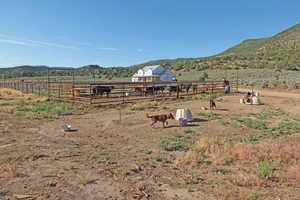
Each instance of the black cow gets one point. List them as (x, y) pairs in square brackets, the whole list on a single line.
[(149, 91), (159, 89), (195, 88), (186, 87), (171, 89), (100, 90), (154, 90)]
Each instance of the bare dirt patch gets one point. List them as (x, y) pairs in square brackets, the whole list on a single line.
[(110, 159)]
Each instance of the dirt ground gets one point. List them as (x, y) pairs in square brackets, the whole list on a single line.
[(105, 158)]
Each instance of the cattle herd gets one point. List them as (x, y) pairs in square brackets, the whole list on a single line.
[(145, 91), (86, 92), (107, 92)]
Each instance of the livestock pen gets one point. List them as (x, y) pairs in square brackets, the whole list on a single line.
[(104, 93)]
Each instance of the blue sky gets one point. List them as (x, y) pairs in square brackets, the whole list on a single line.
[(73, 33)]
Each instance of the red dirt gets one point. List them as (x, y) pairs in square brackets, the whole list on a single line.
[(120, 159)]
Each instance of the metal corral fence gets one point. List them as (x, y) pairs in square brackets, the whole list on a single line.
[(102, 93), (26, 86)]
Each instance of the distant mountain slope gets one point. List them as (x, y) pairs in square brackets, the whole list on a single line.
[(286, 40), (247, 46), (283, 41), (281, 51), (88, 70)]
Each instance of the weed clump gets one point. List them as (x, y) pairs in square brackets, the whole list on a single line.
[(251, 123), (84, 180), (265, 169), (210, 116), (283, 129), (173, 143), (206, 144), (44, 110), (144, 106), (223, 171)]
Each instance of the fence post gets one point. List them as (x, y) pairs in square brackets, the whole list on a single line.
[(123, 93), (48, 84), (59, 91), (73, 86), (91, 94), (177, 90), (153, 92), (237, 81)]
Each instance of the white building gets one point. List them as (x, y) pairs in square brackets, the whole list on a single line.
[(153, 73)]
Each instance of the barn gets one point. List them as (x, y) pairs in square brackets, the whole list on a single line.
[(152, 74)]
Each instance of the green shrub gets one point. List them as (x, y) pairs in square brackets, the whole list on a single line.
[(187, 131), (210, 116), (203, 76), (251, 123), (150, 105), (248, 139), (265, 169), (284, 128), (223, 171), (44, 110), (173, 144), (84, 180)]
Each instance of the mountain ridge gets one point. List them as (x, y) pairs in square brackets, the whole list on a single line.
[(280, 51)]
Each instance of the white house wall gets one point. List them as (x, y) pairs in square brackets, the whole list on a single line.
[(148, 73), (134, 79)]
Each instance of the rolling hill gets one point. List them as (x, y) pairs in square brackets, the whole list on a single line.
[(247, 46), (88, 71), (281, 51)]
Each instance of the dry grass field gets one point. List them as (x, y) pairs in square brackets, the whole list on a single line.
[(237, 152), (261, 78)]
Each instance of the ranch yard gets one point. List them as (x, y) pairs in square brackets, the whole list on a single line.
[(237, 152)]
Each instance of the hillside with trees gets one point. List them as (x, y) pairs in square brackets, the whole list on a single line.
[(279, 52)]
